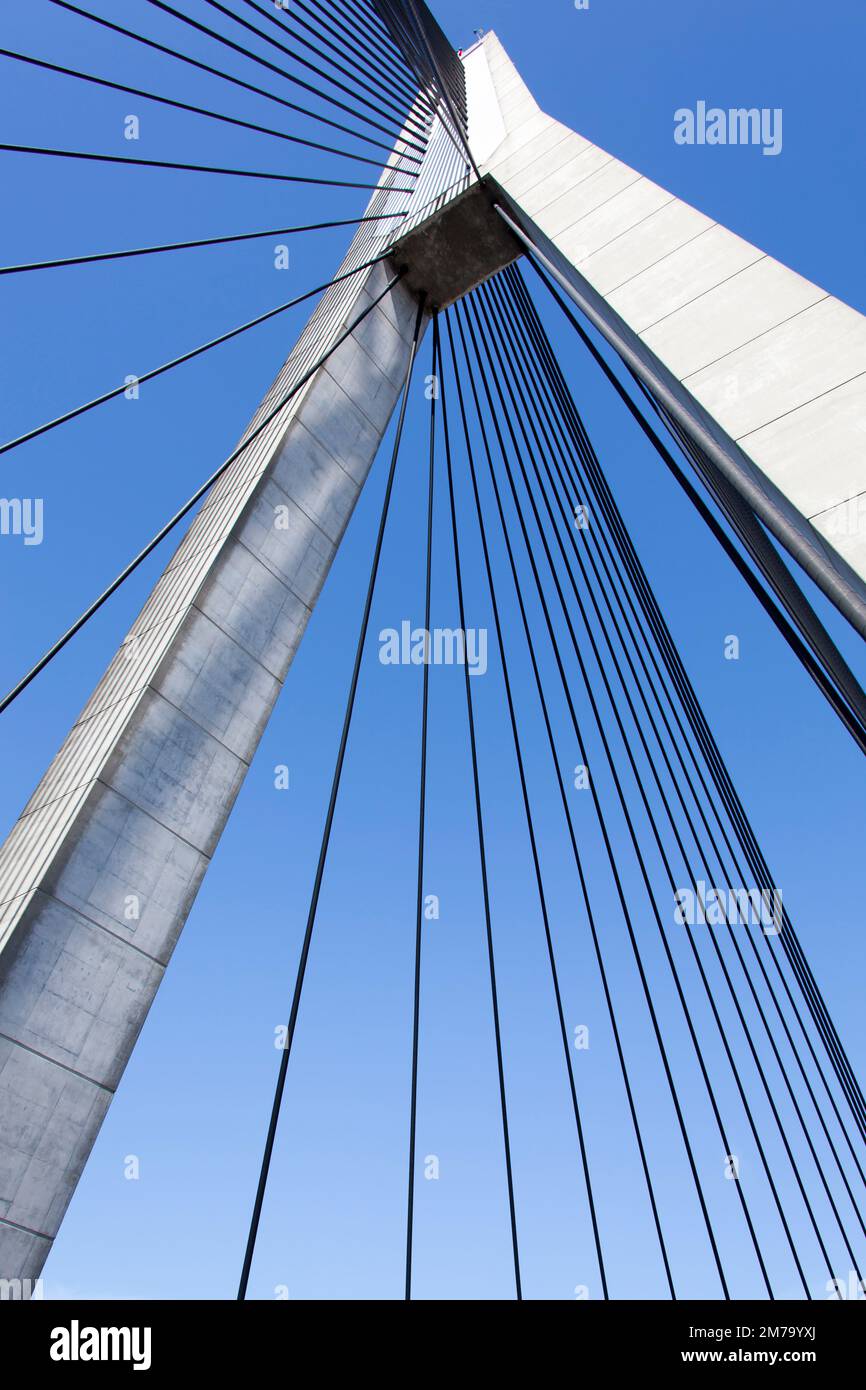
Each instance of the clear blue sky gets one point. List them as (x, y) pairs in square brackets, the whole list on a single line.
[(194, 1100)]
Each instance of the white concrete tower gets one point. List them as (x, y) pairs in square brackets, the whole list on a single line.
[(767, 370)]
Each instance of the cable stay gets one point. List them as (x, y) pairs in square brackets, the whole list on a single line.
[(422, 814), (196, 497), (832, 675), (329, 821), (185, 357), (790, 944), (202, 111), (190, 245), (191, 168), (590, 587), (485, 881), (394, 133), (586, 897), (231, 79), (383, 103), (380, 66), (539, 881), (508, 316), (497, 411), (518, 314)]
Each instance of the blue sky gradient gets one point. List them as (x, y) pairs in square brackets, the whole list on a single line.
[(194, 1100)]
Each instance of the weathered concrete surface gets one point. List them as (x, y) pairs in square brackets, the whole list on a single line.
[(457, 248)]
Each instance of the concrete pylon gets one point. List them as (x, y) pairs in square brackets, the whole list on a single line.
[(768, 370), (99, 873)]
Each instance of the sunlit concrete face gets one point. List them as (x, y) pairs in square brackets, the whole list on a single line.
[(777, 364)]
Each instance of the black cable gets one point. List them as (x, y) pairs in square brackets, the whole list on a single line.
[(367, 32), (187, 106), (431, 52), (790, 942), (766, 557), (422, 813), (428, 50), (421, 52), (679, 679), (352, 47), (491, 338), (272, 67), (519, 313), (509, 312), (702, 744), (458, 121), (359, 54), (482, 853), (384, 104), (189, 245), (556, 766), (189, 168), (354, 39), (226, 77), (829, 689), (185, 357), (329, 821), (803, 543), (770, 1036), (791, 945), (772, 1041), (751, 986), (188, 505), (377, 46), (542, 896), (603, 828)]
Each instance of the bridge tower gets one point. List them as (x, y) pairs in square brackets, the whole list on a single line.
[(763, 371)]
